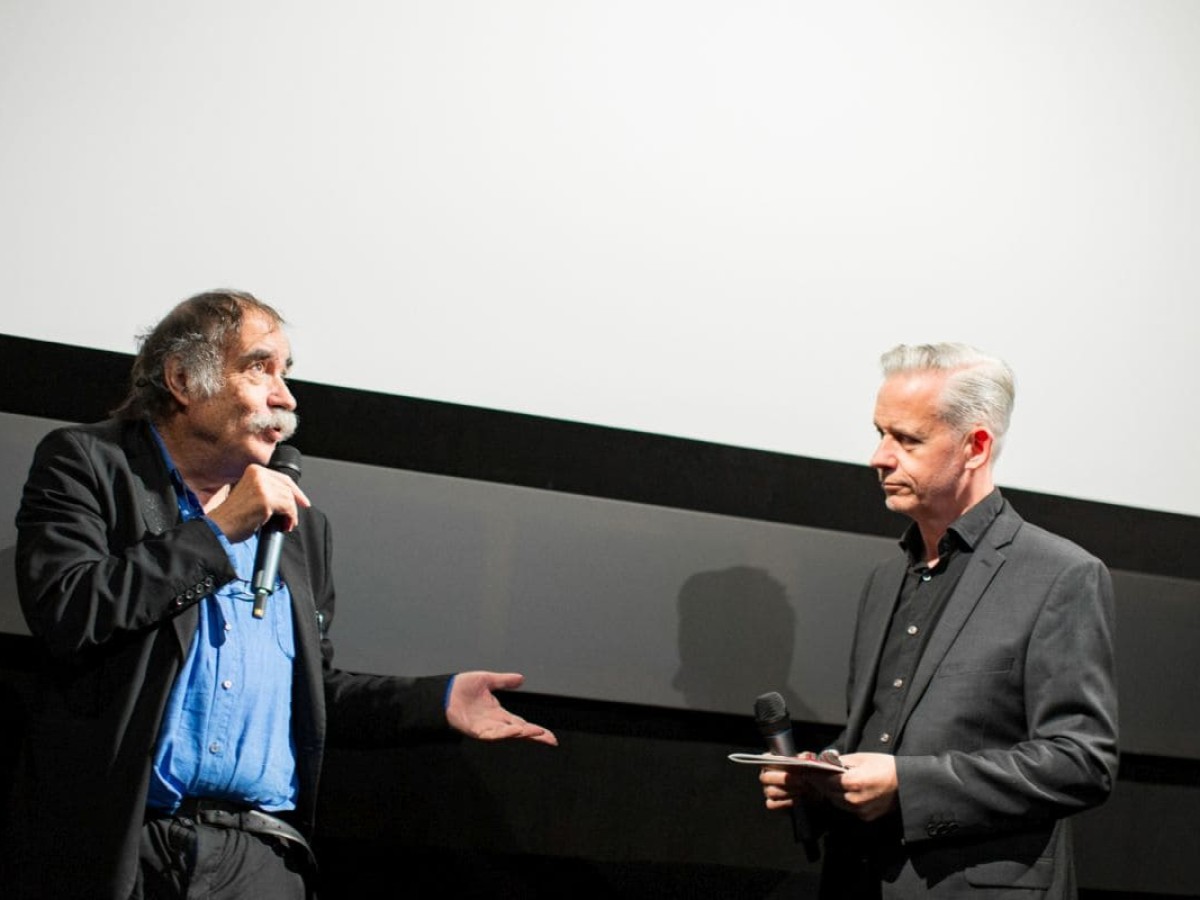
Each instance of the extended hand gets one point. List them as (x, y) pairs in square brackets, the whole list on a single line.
[(475, 711)]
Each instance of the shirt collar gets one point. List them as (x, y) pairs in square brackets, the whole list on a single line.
[(964, 533)]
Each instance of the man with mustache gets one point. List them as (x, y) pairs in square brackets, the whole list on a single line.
[(176, 748), (982, 697)]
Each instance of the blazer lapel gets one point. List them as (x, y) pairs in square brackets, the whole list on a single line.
[(294, 570), (160, 511), (308, 684), (986, 561), (874, 618)]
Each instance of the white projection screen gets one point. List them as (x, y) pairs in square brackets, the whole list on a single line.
[(700, 219)]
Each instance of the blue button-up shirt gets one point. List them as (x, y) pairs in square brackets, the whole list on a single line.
[(226, 733)]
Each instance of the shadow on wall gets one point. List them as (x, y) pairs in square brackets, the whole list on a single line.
[(735, 619)]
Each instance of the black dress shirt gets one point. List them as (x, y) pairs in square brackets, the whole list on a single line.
[(923, 595)]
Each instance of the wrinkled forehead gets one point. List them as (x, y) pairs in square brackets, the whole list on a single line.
[(260, 337)]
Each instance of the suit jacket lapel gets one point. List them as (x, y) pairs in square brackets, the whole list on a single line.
[(294, 570), (308, 683), (160, 510), (986, 561), (874, 618)]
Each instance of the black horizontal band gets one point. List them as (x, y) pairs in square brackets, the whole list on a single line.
[(598, 461)]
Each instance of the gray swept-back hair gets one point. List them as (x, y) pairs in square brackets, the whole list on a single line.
[(980, 388), (197, 332)]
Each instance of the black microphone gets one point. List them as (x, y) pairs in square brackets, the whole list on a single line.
[(285, 459), (775, 725)]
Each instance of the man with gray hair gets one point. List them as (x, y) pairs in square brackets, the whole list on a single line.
[(177, 744), (982, 697)]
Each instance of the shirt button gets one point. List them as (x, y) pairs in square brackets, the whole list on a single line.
[(898, 683), (884, 738), (227, 684), (913, 629), (214, 747), (926, 577), (228, 627)]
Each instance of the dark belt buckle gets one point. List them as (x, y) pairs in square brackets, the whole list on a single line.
[(224, 814)]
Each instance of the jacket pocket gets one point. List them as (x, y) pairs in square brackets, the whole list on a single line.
[(1012, 873), (986, 666)]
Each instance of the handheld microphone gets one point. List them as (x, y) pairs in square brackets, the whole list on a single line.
[(285, 459), (775, 725)]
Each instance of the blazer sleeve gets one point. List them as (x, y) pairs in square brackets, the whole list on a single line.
[(1065, 759), (87, 567), (367, 710)]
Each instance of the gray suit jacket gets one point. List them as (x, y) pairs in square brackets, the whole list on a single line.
[(109, 578), (1010, 723)]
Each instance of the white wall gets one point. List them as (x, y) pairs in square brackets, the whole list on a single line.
[(696, 218)]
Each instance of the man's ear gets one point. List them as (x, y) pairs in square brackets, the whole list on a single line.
[(176, 380), (979, 446)]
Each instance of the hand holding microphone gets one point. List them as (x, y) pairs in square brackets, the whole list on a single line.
[(775, 725), (285, 459)]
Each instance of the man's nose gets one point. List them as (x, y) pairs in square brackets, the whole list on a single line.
[(883, 457), (282, 395)]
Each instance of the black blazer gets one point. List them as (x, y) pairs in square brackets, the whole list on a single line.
[(1010, 722), (109, 578)]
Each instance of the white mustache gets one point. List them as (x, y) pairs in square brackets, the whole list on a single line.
[(282, 420)]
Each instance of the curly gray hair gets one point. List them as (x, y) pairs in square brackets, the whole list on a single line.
[(197, 332)]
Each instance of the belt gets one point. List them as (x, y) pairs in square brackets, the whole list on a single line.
[(226, 814)]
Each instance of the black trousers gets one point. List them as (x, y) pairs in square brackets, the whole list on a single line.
[(184, 860)]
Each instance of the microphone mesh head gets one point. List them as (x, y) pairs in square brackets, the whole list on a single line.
[(770, 708), (286, 459)]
